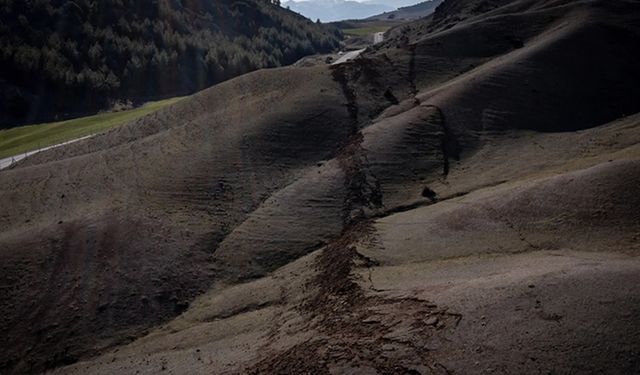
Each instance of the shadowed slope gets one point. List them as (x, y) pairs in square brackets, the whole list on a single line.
[(117, 233)]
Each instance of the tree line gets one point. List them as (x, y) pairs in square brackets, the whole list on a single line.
[(60, 57)]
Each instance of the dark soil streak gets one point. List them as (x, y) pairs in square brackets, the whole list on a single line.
[(412, 70), (449, 144), (339, 75), (356, 327)]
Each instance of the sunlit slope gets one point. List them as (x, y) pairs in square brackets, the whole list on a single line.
[(32, 137)]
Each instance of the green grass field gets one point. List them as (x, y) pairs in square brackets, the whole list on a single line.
[(32, 137), (365, 31), (364, 27)]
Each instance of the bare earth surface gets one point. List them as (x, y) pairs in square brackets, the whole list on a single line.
[(461, 198)]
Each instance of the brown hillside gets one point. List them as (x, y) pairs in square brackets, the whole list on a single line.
[(460, 199)]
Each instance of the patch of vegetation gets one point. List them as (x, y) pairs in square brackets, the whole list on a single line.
[(32, 137), (364, 27), (365, 31), (64, 58)]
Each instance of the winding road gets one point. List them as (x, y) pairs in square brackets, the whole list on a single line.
[(7, 162), (377, 38)]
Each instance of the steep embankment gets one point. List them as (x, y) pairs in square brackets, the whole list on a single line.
[(462, 190)]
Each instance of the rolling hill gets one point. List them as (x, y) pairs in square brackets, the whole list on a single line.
[(461, 198), (410, 12)]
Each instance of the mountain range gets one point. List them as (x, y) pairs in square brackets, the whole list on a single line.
[(336, 10)]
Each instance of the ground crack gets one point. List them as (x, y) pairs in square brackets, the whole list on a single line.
[(358, 329)]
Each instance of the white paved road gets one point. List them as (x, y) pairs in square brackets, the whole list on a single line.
[(6, 162), (377, 38), (348, 56)]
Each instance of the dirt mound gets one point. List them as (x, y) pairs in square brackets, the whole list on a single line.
[(587, 210)]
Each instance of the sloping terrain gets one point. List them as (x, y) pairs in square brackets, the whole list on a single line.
[(462, 198), (410, 12)]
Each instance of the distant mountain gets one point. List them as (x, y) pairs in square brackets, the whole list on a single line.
[(64, 58), (396, 3), (336, 10), (412, 12)]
